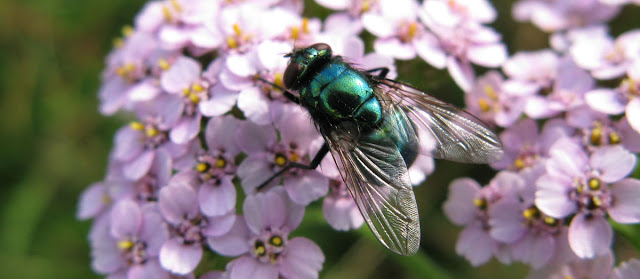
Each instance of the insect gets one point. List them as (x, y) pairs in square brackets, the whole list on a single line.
[(375, 128)]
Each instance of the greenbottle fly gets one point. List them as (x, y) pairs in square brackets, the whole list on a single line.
[(375, 128)]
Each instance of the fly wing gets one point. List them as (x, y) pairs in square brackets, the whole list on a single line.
[(376, 175), (445, 131)]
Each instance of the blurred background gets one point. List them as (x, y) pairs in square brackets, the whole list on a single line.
[(55, 143)]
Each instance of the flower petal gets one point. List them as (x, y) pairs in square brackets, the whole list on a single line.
[(179, 258), (235, 242), (552, 197), (248, 268), (126, 219), (625, 208), (303, 259), (308, 187), (459, 207), (606, 101), (613, 162), (264, 210), (590, 235)]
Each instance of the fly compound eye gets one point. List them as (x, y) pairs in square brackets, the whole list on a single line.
[(321, 47), (291, 74)]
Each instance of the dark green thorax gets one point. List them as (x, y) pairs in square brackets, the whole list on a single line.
[(332, 90), (336, 93)]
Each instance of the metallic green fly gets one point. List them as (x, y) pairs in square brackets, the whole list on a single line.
[(375, 128)]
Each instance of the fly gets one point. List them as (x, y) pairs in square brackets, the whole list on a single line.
[(375, 128)]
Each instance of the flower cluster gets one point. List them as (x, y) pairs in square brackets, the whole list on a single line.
[(569, 141), (203, 81)]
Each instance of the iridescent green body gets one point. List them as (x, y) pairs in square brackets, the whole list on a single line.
[(334, 92)]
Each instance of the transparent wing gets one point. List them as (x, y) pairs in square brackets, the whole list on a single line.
[(376, 175), (445, 131)]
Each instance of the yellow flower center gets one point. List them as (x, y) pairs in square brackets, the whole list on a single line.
[(530, 213), (202, 167), (281, 160), (484, 105), (125, 244), (614, 138), (480, 203), (594, 184), (221, 163), (136, 126), (163, 64), (151, 132)]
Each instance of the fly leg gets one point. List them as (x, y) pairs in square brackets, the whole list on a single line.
[(382, 74), (285, 92), (314, 164)]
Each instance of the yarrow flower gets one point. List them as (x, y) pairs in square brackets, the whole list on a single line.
[(201, 170)]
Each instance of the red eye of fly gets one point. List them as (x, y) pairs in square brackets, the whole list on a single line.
[(291, 74), (321, 46)]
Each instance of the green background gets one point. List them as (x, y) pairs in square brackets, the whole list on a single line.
[(55, 143)]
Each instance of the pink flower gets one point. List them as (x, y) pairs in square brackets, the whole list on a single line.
[(397, 28), (525, 147), (456, 47), (604, 57), (555, 15), (179, 206), (488, 101), (263, 242), (621, 99), (589, 187), (267, 155), (469, 205)]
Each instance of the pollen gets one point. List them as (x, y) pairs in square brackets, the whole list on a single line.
[(273, 258), (295, 32), (276, 241), (118, 42), (484, 105), (597, 201), (167, 14), (614, 138), (277, 79), (125, 244), (480, 203), (491, 92), (232, 42), (294, 157), (594, 184), (305, 25), (136, 125), (221, 163), (519, 164), (366, 6), (163, 64), (237, 30), (596, 134), (106, 199), (413, 29), (151, 132), (259, 249), (280, 160), (194, 98), (186, 92), (530, 213), (127, 31), (202, 167), (550, 221), (197, 87), (176, 5)]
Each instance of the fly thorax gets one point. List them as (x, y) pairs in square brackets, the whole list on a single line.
[(350, 96)]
